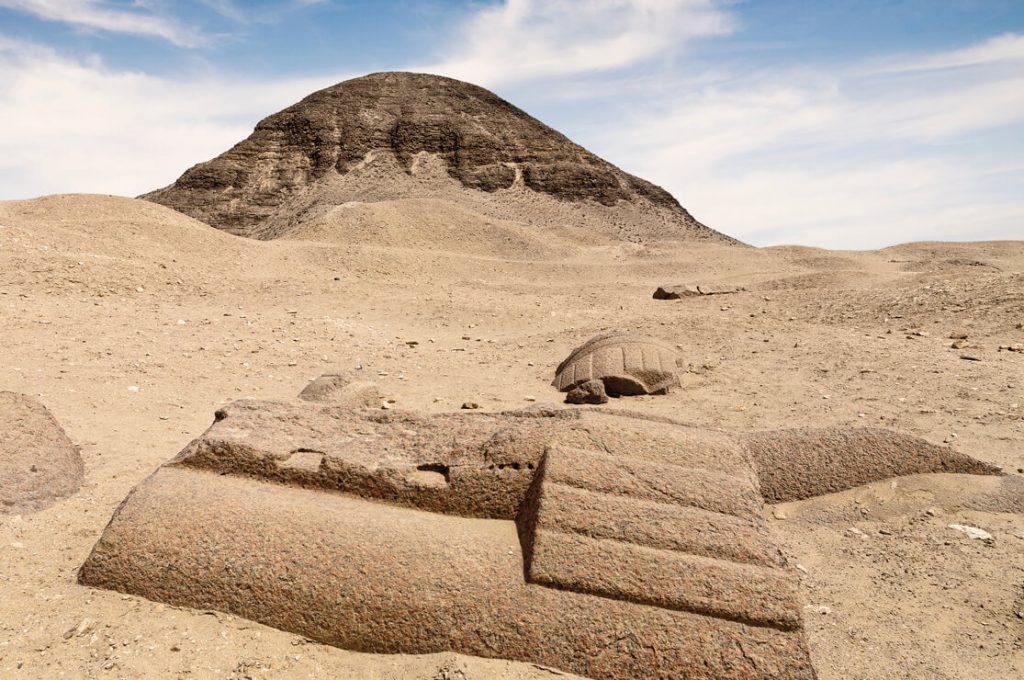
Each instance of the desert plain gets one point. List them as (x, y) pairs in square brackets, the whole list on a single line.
[(133, 323)]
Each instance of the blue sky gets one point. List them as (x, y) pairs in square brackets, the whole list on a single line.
[(844, 124)]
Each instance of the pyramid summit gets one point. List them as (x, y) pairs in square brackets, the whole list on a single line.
[(393, 136)]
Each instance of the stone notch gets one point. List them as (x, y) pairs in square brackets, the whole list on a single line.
[(598, 542), (484, 142), (625, 546)]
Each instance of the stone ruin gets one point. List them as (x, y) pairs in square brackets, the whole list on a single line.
[(685, 290), (601, 543), (617, 364), (38, 463)]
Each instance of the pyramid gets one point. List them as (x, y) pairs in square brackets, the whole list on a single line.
[(393, 136)]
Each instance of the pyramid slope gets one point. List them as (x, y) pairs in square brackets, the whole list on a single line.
[(417, 135)]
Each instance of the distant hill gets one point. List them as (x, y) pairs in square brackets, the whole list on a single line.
[(398, 136)]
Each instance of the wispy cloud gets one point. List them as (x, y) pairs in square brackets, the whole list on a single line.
[(244, 14), (521, 40), (1003, 49), (851, 156), (103, 16)]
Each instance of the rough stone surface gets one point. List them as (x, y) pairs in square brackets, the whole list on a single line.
[(801, 463), (344, 389), (38, 463), (589, 392), (598, 542), (627, 364), (484, 142), (694, 290)]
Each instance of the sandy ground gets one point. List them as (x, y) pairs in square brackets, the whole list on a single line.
[(100, 296)]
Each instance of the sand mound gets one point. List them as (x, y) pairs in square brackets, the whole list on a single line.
[(294, 159), (88, 243), (436, 224), (38, 463)]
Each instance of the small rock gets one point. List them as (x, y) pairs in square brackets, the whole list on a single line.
[(960, 343), (590, 392), (83, 627), (133, 388), (958, 335), (972, 532), (470, 405)]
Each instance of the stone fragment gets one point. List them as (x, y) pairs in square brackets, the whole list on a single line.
[(627, 364), (679, 291), (602, 543), (38, 463), (972, 532), (343, 388), (589, 392)]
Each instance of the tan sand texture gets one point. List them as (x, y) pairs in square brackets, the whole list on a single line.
[(100, 294)]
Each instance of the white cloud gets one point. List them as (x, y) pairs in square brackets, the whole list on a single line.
[(73, 126), (99, 15), (521, 40)]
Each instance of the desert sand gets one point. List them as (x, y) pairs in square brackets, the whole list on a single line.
[(133, 323)]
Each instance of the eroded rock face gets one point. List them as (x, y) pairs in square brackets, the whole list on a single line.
[(485, 143), (38, 463), (626, 363)]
